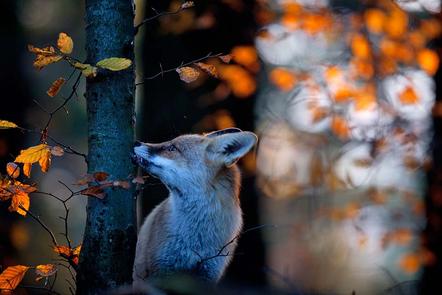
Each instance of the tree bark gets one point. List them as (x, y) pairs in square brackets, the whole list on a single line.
[(109, 240)]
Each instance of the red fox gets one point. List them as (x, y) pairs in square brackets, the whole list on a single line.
[(202, 214)]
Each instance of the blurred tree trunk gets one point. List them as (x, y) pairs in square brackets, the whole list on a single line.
[(109, 240)]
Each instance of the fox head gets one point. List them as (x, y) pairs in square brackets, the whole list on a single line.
[(193, 160)]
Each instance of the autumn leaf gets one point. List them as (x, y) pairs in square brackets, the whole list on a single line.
[(209, 69), (45, 270), (55, 87), (100, 176), (283, 79), (20, 203), (360, 46), (238, 79), (96, 190), (62, 250), (340, 127), (410, 263), (72, 254), (428, 60), (187, 4), (226, 58), (57, 151), (13, 170), (114, 63), (121, 183), (408, 96), (6, 124), (374, 20), (44, 56), (12, 276), (87, 70), (188, 74), (65, 43), (27, 169), (40, 153), (245, 55)]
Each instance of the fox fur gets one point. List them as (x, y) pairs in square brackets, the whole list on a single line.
[(202, 215)]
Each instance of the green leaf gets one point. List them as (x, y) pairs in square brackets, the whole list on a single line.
[(86, 69), (114, 63)]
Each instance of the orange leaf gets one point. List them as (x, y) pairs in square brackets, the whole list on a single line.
[(20, 203), (12, 276), (396, 24), (245, 55), (238, 79), (428, 60), (209, 69), (283, 79), (44, 56), (40, 153), (62, 250), (13, 170), (55, 87), (65, 43), (45, 270), (188, 74), (339, 127), (408, 96), (100, 176), (410, 263), (360, 46), (27, 169), (402, 236), (374, 20)]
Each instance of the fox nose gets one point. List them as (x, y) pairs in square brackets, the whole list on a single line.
[(137, 143)]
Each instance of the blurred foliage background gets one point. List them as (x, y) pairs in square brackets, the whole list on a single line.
[(343, 94)]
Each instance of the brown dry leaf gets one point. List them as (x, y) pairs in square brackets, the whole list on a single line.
[(209, 69), (87, 70), (96, 190), (411, 163), (121, 183), (283, 79), (45, 270), (12, 276), (428, 60), (187, 4), (65, 43), (55, 87), (6, 124), (44, 56), (13, 170), (138, 180), (226, 58), (100, 176), (188, 74), (57, 151)]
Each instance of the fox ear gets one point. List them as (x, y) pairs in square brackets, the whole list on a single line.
[(229, 148), (223, 131)]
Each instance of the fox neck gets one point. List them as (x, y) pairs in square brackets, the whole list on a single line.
[(212, 208)]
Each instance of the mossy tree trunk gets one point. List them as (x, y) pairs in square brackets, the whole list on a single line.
[(109, 240)]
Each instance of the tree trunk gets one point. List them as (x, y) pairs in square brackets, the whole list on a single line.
[(109, 240)]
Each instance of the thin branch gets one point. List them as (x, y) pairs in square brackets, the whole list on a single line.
[(46, 228), (162, 72), (160, 14)]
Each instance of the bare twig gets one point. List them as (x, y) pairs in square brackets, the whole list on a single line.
[(160, 14), (46, 228), (209, 55)]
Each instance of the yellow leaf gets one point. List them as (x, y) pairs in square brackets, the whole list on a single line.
[(428, 60), (209, 69), (40, 153), (6, 124), (27, 169), (65, 43), (114, 63), (12, 276), (86, 69), (55, 87), (13, 170), (45, 270), (44, 56), (20, 199), (76, 251), (188, 74)]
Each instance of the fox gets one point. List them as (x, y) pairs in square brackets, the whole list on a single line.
[(195, 229)]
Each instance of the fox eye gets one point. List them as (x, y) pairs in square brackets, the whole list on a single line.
[(171, 148)]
